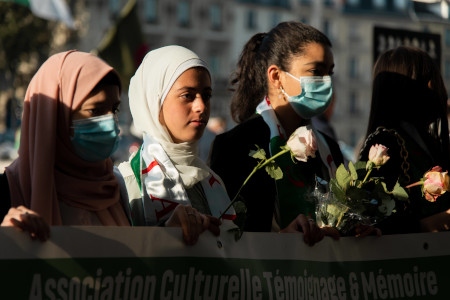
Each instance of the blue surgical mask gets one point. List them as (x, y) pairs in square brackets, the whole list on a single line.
[(315, 96), (95, 139)]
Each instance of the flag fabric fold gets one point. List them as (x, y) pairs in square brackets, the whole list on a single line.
[(123, 46), (55, 10)]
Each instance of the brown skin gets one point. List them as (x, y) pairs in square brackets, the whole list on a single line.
[(192, 223), (99, 102), (29, 221), (185, 113), (316, 60)]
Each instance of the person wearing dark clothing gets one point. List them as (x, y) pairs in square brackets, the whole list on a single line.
[(408, 116)]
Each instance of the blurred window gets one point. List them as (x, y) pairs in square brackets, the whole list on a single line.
[(353, 104), (401, 4), (151, 11), (327, 28), (353, 68), (215, 13), (114, 7), (183, 13), (447, 69), (447, 37), (251, 20), (379, 4), (214, 64), (276, 18)]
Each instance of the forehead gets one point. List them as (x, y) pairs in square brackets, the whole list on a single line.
[(192, 76), (102, 95), (314, 54)]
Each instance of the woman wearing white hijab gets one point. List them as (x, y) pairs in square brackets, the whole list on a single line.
[(167, 183)]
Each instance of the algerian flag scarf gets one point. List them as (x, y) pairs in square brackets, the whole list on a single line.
[(294, 189), (162, 187)]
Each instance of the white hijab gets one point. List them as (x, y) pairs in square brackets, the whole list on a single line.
[(148, 89)]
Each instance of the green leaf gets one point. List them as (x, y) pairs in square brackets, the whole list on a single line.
[(399, 193), (387, 207), (356, 195), (352, 169), (274, 171), (343, 177), (336, 212), (258, 154), (337, 190), (360, 165)]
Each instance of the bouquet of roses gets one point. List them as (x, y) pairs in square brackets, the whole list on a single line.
[(301, 145), (356, 197)]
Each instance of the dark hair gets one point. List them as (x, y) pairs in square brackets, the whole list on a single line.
[(277, 47), (414, 63), (408, 86), (112, 78)]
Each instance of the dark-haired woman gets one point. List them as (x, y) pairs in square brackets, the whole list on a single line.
[(409, 116), (283, 79)]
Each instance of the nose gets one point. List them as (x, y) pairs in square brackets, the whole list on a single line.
[(199, 104)]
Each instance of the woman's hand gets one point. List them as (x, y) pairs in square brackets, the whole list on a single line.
[(362, 230), (29, 221), (437, 222), (192, 223), (311, 232)]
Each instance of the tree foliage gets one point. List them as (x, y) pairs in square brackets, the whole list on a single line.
[(21, 35)]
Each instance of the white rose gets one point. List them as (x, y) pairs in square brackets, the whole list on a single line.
[(302, 144)]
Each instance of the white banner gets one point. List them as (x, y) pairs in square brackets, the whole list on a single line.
[(153, 263)]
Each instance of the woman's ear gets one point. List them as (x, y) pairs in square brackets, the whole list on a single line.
[(274, 74), (161, 116)]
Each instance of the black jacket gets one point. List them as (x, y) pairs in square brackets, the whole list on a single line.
[(5, 196), (231, 161)]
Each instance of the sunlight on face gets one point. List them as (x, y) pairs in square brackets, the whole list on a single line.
[(317, 60), (185, 111)]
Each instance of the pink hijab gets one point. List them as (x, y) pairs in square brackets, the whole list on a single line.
[(48, 170)]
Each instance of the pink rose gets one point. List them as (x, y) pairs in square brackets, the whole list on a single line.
[(378, 155), (302, 144), (435, 183)]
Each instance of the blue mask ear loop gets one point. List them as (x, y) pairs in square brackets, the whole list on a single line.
[(298, 79)]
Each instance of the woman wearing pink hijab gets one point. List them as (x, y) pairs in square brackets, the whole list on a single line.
[(63, 175)]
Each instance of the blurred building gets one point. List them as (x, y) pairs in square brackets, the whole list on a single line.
[(218, 29)]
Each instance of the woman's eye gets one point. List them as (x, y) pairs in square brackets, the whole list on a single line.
[(189, 96), (93, 112), (207, 96)]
